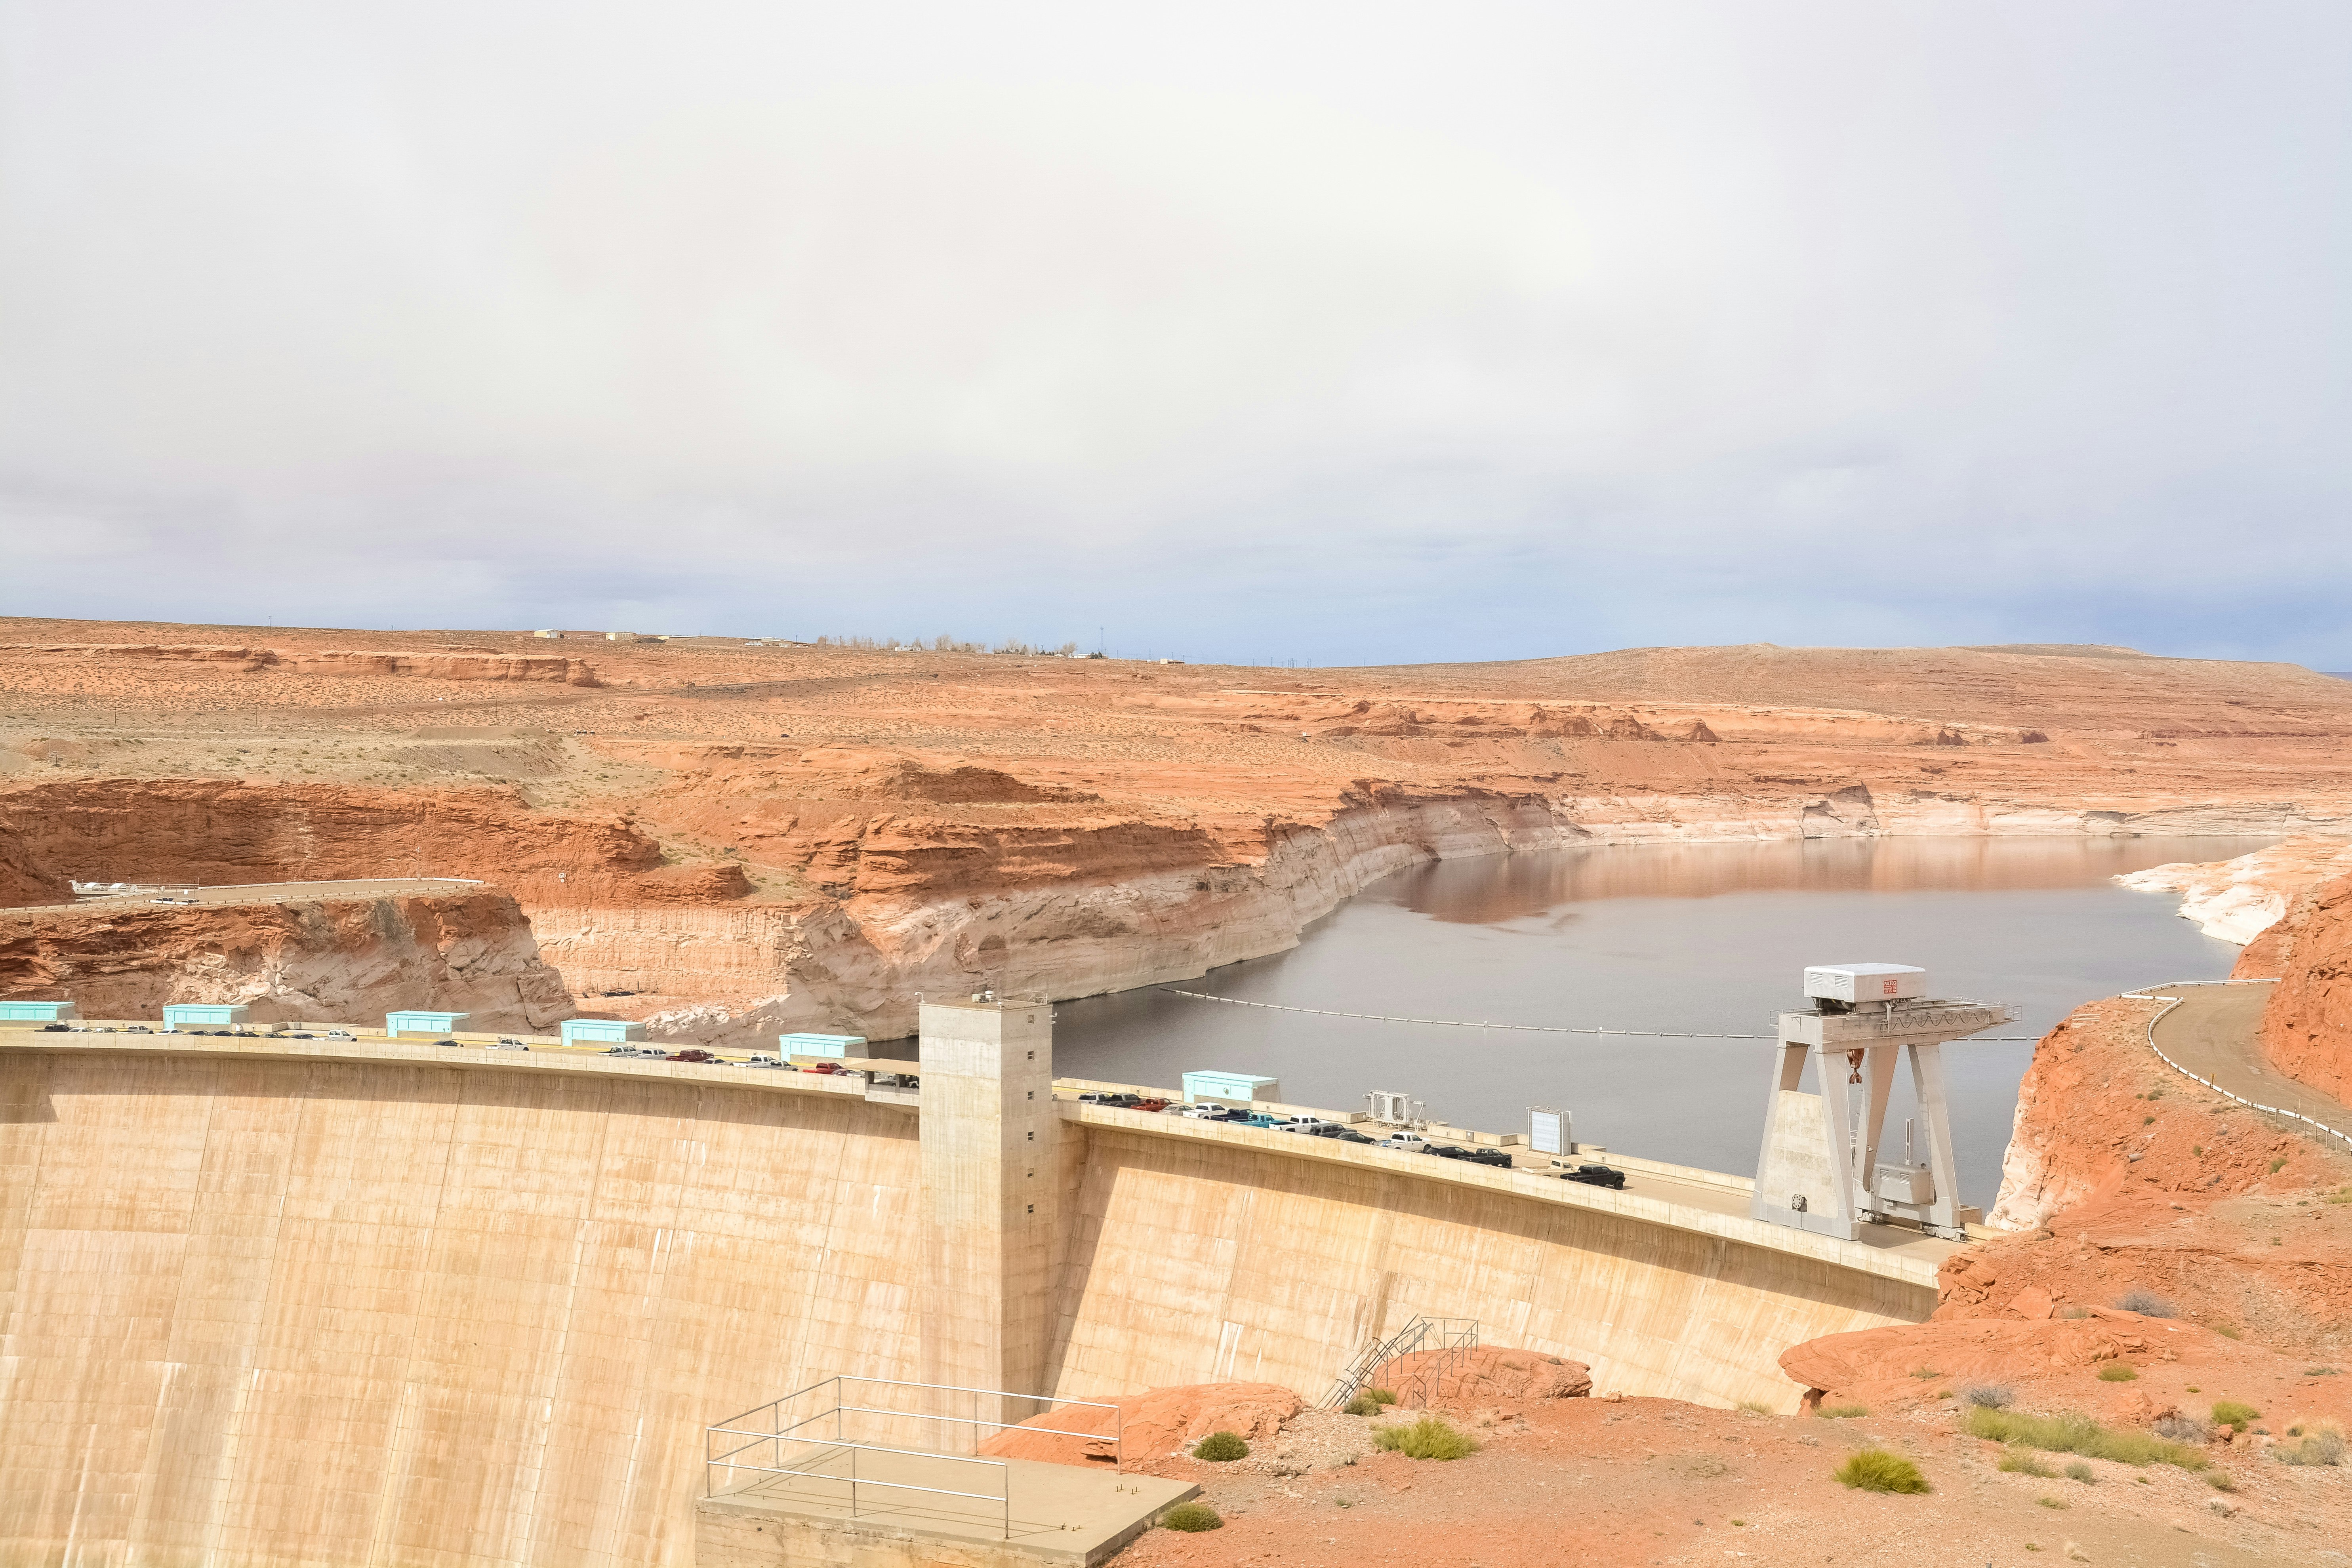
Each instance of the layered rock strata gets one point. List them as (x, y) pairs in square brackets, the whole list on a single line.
[(326, 959), (730, 840)]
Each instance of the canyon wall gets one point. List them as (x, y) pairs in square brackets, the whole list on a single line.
[(2308, 1026), (725, 840), (469, 952)]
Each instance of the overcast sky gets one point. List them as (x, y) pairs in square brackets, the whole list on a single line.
[(1346, 332)]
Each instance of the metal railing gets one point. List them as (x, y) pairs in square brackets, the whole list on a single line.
[(770, 1426), (2169, 1004), (1456, 1337)]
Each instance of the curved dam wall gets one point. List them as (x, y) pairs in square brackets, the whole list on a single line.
[(1195, 1261), (273, 1302), (275, 1312)]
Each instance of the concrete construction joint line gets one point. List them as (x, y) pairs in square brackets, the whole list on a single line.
[(2170, 1003), (1525, 1028)]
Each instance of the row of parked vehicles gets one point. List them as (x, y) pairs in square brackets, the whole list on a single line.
[(1405, 1141)]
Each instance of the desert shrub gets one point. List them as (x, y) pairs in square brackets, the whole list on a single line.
[(1386, 1396), (1989, 1396), (1364, 1404), (2229, 1331), (1876, 1470), (1192, 1516), (1221, 1447), (2220, 1482), (1925, 1371), (2022, 1460), (1427, 1438), (2051, 1501), (2321, 1448), (2078, 1471), (1844, 1412), (2320, 1371), (2116, 1371), (2184, 1429), (2146, 1302), (2077, 1434), (2232, 1413), (1755, 1407)]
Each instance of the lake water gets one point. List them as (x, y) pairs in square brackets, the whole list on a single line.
[(1706, 938)]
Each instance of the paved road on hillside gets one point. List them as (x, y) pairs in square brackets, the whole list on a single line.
[(2214, 1033)]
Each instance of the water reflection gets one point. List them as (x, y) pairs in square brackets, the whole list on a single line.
[(1496, 889), (1708, 938)]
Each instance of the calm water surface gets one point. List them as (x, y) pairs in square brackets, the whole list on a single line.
[(1708, 938)]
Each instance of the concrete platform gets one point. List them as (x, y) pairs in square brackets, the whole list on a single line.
[(1059, 1514)]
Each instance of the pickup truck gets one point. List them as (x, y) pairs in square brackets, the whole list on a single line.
[(1595, 1176), (1494, 1157)]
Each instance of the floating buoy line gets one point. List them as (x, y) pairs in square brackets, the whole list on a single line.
[(1521, 1028)]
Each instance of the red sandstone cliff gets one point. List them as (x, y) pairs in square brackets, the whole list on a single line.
[(2308, 1026), (729, 839), (326, 960)]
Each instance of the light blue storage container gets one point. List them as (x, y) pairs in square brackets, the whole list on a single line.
[(1230, 1088), (834, 1046), (601, 1031), (204, 1015), (419, 1023), (36, 1012)]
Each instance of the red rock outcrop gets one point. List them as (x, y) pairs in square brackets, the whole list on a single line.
[(214, 832), (322, 960), (439, 666), (1485, 1377), (1153, 1426), (2307, 1025), (2047, 1365)]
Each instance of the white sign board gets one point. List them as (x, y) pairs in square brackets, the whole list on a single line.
[(1546, 1130)]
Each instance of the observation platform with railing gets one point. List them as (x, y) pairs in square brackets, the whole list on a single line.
[(887, 1462)]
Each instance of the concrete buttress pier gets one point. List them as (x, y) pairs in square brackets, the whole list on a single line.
[(991, 1195)]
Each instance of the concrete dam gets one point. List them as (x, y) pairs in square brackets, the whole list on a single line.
[(277, 1301)]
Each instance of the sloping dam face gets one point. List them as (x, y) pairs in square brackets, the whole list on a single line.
[(274, 1302)]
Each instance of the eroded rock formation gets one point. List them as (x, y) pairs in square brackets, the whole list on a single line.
[(319, 960), (2307, 1026), (730, 840)]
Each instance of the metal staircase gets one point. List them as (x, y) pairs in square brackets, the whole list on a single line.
[(1453, 1338)]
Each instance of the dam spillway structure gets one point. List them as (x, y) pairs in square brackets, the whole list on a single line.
[(319, 1292), (1821, 1168)]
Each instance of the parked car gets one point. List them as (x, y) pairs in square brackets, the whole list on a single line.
[(812, 1067), (1595, 1176), (1412, 1142), (57, 1028), (693, 1054), (1495, 1157), (1336, 1132), (1304, 1124)]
